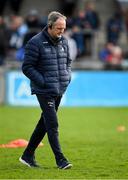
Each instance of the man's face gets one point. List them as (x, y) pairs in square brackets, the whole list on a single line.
[(58, 28)]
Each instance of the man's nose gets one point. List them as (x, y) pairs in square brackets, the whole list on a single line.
[(61, 31)]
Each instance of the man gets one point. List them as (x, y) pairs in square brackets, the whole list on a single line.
[(48, 66)]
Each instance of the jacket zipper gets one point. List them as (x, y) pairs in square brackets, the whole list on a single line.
[(56, 47)]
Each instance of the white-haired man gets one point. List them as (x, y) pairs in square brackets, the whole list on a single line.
[(48, 66)]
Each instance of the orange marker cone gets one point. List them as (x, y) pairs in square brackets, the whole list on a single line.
[(16, 144), (121, 128)]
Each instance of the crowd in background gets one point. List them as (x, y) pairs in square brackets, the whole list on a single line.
[(82, 25)]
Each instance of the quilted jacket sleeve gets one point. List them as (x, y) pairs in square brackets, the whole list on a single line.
[(30, 61)]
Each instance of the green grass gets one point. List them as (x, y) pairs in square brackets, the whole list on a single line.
[(89, 139)]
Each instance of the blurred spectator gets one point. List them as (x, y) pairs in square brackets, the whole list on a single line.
[(33, 23), (112, 57), (14, 5), (92, 24), (34, 26), (91, 16), (79, 20), (78, 36), (3, 41), (72, 45), (81, 32), (17, 31), (106, 52), (84, 26), (114, 28)]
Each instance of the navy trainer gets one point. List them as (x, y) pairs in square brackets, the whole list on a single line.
[(29, 161), (63, 164)]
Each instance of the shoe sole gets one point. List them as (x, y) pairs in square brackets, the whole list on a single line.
[(69, 166), (24, 162)]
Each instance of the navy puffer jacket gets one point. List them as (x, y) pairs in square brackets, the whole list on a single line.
[(47, 64)]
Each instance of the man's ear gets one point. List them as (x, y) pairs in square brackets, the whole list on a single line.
[(50, 26)]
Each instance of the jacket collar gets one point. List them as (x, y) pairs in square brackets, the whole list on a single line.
[(47, 35)]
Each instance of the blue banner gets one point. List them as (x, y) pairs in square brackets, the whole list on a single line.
[(18, 90), (104, 88), (86, 89)]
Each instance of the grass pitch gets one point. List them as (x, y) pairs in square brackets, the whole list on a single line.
[(88, 136)]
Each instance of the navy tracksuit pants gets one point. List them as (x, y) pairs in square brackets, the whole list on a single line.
[(48, 123)]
